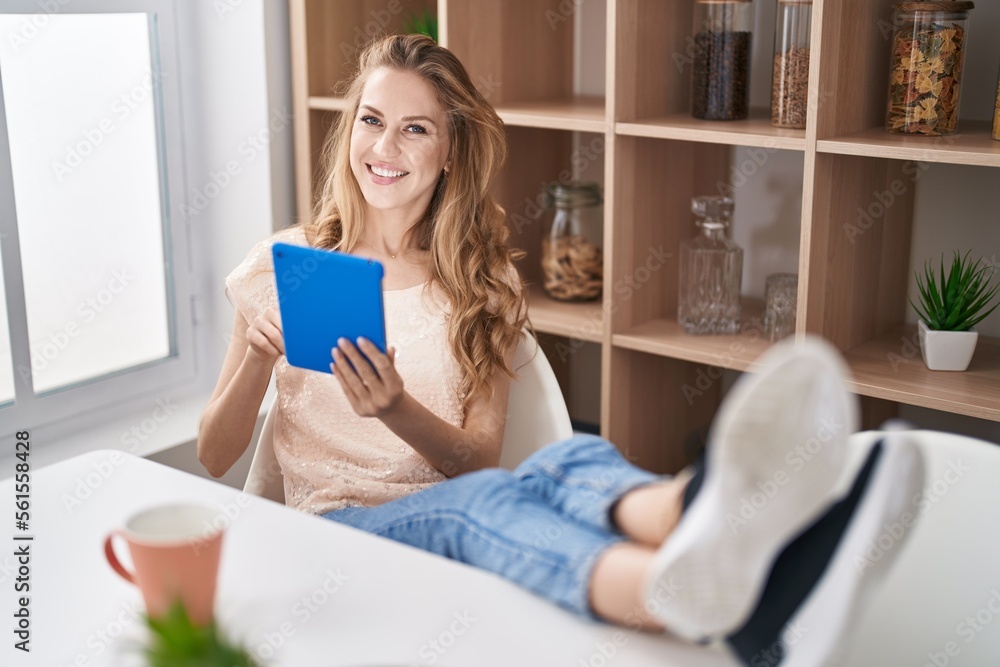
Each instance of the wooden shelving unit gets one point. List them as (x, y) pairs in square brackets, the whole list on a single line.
[(657, 383), (754, 131), (973, 146)]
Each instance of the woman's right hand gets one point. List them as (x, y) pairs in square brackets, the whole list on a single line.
[(266, 342)]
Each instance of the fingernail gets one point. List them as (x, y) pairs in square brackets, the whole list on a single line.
[(342, 341), (362, 340)]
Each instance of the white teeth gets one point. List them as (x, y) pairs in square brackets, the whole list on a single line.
[(387, 173)]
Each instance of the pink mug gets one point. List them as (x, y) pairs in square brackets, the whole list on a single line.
[(175, 551)]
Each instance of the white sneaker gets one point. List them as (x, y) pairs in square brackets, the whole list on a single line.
[(880, 525), (776, 453)]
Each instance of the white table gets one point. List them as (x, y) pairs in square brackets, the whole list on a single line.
[(393, 605), (389, 601)]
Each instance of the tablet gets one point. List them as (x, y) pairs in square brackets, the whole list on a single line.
[(324, 295)]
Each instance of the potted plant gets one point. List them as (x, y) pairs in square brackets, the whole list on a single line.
[(950, 305), (175, 640), (424, 23)]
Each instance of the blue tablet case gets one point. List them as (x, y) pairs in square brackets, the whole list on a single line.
[(323, 295)]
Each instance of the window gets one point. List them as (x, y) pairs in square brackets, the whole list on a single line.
[(94, 250)]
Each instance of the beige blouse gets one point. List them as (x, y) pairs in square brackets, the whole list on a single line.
[(330, 457)]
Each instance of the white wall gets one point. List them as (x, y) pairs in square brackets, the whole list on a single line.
[(238, 108), (238, 122)]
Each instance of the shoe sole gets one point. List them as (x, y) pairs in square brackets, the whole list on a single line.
[(717, 560), (828, 617)]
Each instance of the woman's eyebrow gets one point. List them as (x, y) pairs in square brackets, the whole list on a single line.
[(405, 119), (408, 119)]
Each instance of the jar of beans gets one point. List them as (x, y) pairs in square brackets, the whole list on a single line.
[(572, 255), (790, 85), (925, 75), (720, 78)]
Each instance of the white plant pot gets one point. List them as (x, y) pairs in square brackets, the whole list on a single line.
[(947, 350)]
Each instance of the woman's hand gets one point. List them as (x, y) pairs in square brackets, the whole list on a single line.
[(265, 338), (372, 386)]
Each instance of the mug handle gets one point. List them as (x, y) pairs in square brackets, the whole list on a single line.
[(109, 552)]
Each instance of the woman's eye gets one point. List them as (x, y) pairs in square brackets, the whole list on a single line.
[(369, 120), (417, 129)]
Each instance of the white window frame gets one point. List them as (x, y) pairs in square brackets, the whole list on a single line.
[(30, 411)]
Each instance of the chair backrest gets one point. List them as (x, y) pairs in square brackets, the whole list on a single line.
[(265, 478), (536, 416), (536, 411)]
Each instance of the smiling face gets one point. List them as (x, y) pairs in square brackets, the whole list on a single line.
[(399, 143)]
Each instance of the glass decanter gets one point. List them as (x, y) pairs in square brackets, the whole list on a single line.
[(711, 272)]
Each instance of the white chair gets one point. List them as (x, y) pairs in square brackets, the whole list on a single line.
[(536, 416)]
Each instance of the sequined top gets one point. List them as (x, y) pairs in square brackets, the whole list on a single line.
[(330, 457)]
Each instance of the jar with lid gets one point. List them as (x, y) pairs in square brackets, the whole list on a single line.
[(711, 272), (996, 113), (790, 82), (572, 255), (925, 76), (720, 77)]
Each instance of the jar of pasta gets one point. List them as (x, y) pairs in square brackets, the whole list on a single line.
[(925, 76), (572, 255)]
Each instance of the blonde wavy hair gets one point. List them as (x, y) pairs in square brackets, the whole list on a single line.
[(464, 226)]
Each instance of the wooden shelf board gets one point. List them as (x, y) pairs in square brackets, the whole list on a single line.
[(665, 337), (972, 145), (754, 131), (890, 367), (583, 321), (581, 113), (327, 103)]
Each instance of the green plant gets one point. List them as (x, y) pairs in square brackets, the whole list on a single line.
[(424, 23), (956, 301), (175, 640)]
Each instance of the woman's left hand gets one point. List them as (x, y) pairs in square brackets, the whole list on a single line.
[(372, 386)]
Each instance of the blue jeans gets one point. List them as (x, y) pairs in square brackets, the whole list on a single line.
[(542, 526)]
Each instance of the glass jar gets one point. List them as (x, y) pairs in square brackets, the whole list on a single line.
[(928, 56), (711, 272), (790, 82), (996, 113), (720, 80), (572, 255)]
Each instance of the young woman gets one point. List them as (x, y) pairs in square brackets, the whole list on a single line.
[(410, 170)]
